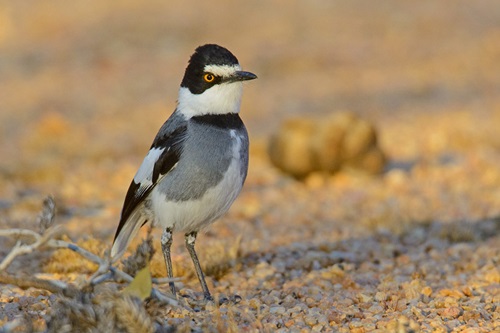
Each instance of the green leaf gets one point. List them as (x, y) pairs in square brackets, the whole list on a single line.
[(141, 285)]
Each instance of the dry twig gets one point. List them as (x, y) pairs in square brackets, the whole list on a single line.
[(20, 248), (45, 238)]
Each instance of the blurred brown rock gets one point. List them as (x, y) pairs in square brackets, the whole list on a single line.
[(290, 149), (342, 140)]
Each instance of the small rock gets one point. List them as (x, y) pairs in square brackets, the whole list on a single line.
[(427, 291), (263, 271), (380, 296), (375, 309), (310, 320), (277, 309), (290, 141), (254, 303), (364, 298), (357, 327), (317, 328), (342, 140), (451, 293), (357, 330), (467, 291), (452, 312), (492, 275)]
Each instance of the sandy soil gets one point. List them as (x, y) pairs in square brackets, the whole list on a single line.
[(85, 85)]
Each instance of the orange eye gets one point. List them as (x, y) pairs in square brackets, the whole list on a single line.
[(208, 77)]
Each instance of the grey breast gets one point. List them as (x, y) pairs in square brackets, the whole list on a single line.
[(205, 157)]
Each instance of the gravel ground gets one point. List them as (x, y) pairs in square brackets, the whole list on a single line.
[(413, 249)]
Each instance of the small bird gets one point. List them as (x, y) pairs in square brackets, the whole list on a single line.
[(198, 161)]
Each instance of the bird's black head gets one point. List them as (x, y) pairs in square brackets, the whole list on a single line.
[(210, 65)]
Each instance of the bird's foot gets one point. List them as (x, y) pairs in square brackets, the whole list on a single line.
[(172, 290), (234, 299), (208, 298)]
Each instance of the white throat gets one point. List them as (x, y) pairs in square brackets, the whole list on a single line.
[(220, 99)]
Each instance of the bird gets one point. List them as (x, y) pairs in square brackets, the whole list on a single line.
[(197, 163)]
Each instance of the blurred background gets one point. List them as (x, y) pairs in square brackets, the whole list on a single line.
[(85, 85), (411, 85)]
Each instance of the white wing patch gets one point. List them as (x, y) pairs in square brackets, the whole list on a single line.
[(144, 175)]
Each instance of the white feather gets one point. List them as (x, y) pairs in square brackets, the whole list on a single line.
[(144, 175), (222, 70), (127, 233), (220, 99)]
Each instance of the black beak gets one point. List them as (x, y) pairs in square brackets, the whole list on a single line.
[(242, 76)]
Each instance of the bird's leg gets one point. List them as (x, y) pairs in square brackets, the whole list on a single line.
[(190, 240), (166, 243)]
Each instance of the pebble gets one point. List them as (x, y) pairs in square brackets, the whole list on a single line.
[(319, 271), (467, 291), (427, 291), (452, 312), (364, 298), (454, 293), (310, 320), (380, 296), (277, 309)]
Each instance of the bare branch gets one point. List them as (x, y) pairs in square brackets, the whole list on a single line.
[(19, 232), (54, 286), (60, 244), (45, 238), (20, 249)]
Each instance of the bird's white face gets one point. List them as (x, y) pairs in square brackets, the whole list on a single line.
[(221, 98)]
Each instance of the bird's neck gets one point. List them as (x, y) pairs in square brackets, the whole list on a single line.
[(220, 99)]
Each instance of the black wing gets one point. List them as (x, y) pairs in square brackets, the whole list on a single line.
[(162, 157)]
